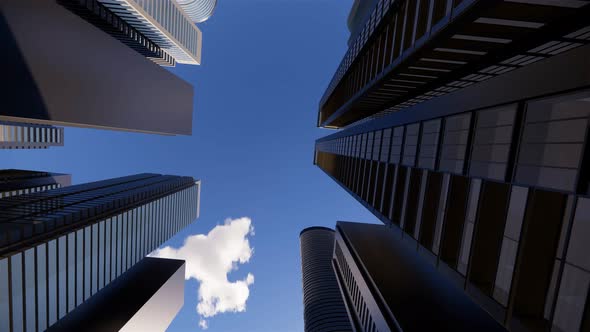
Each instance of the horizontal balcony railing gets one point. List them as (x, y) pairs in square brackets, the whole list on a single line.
[(422, 49)]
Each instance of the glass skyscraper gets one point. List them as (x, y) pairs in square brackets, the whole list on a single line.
[(465, 126), (14, 182), (60, 247), (323, 305)]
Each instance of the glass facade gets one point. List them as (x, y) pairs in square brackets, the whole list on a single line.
[(51, 275), (165, 23), (497, 197), (15, 135)]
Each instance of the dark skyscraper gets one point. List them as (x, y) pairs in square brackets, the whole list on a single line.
[(323, 305), (73, 73), (14, 182), (391, 290), (465, 125), (59, 247)]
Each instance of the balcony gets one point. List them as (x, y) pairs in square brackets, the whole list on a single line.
[(412, 51)]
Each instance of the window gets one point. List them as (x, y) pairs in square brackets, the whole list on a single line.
[(30, 286), (62, 276), (41, 286), (4, 300), (17, 291), (52, 281)]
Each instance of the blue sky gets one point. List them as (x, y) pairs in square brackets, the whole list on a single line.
[(265, 66)]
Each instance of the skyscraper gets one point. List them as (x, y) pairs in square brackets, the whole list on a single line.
[(145, 298), (465, 125), (14, 182), (14, 135), (198, 10), (59, 247), (102, 53), (148, 25), (390, 290), (323, 305)]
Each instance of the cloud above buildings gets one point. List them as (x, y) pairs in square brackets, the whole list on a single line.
[(209, 259)]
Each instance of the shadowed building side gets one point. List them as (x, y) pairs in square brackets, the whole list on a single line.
[(323, 306)]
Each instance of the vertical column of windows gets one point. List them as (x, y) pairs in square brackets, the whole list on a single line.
[(101, 255), (41, 262), (52, 282), (79, 267), (94, 261), (108, 247), (571, 312), (62, 285), (510, 242), (16, 291), (30, 289), (469, 225), (71, 279), (4, 291), (87, 261), (124, 243)]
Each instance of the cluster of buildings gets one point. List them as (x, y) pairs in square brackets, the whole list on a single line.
[(72, 257), (463, 126)]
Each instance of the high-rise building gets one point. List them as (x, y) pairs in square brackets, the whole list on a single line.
[(102, 53), (14, 182), (145, 298), (198, 10), (465, 125), (14, 135), (161, 30), (323, 305), (388, 289), (60, 247)]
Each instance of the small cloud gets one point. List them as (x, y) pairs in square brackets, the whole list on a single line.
[(209, 258)]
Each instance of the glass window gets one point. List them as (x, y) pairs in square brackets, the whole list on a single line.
[(52, 280), (107, 252), (469, 225), (62, 275), (30, 314), (4, 301), (118, 254), (94, 272), (41, 286), (71, 271), (101, 248), (124, 251), (16, 267), (577, 252), (571, 299), (87, 261), (79, 267)]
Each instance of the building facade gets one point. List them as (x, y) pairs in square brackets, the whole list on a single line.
[(163, 31), (198, 10), (465, 126), (145, 298), (60, 247), (323, 305), (14, 135), (14, 182), (99, 60), (391, 290)]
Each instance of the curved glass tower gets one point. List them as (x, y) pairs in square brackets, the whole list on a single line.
[(323, 306), (198, 10)]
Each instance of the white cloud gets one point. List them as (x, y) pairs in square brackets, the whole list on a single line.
[(209, 258)]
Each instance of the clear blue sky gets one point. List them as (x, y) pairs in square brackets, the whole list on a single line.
[(265, 66)]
